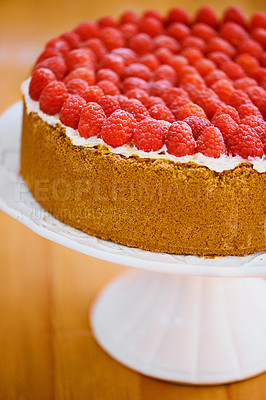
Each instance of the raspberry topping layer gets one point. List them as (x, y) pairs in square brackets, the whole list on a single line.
[(173, 84)]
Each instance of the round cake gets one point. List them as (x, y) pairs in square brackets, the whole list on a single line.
[(150, 131)]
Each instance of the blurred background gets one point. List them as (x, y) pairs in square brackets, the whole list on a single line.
[(46, 346)]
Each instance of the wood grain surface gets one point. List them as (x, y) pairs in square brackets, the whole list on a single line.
[(47, 350)]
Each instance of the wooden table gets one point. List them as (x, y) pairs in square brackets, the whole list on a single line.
[(46, 345)]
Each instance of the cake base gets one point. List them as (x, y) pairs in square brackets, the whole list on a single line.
[(196, 330)]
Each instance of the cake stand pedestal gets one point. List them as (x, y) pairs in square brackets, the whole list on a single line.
[(179, 318)]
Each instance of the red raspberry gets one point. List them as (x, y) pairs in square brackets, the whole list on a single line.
[(207, 15), (178, 15), (178, 62), (192, 54), (161, 111), (218, 44), (259, 73), (96, 46), (172, 94), (138, 94), (108, 87), (39, 79), (238, 97), (149, 135), (79, 58), (204, 31), (93, 94), (229, 110), (129, 56), (251, 47), (165, 72), (192, 110), (87, 30), (72, 39), (92, 119), (84, 73), (129, 31), (152, 13), (138, 70), (151, 26), (245, 142), (223, 88), (129, 17), (113, 62), (60, 44), (137, 109), (257, 123), (194, 41), (165, 126), (214, 76), (112, 38), (259, 35), (109, 104), (53, 97), (141, 43), (159, 87), (119, 128), (258, 20), (150, 61), (235, 14), (178, 30), (48, 53), (179, 140), (109, 75), (151, 101), (166, 42), (197, 125), (163, 55), (122, 100), (208, 100), (243, 83), (76, 86), (248, 109), (133, 82), (233, 33), (107, 22), (176, 105), (256, 94), (218, 57), (226, 125), (211, 143), (56, 64), (71, 110), (247, 62), (204, 66)]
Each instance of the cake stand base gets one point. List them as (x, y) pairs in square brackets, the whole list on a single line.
[(191, 329)]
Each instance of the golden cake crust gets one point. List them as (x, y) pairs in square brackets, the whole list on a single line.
[(151, 204)]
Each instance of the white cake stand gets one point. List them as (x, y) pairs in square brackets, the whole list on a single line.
[(177, 318)]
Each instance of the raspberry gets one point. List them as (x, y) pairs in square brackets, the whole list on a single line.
[(258, 20), (236, 15), (56, 64), (87, 30), (194, 41), (179, 140), (151, 101), (53, 97), (178, 30), (129, 17), (151, 26), (112, 38), (226, 125), (92, 119), (207, 100), (256, 94), (165, 72), (191, 110), (129, 56), (248, 109), (109, 104), (72, 39), (223, 88), (133, 82), (161, 111), (109, 75), (167, 42), (152, 13), (243, 83), (172, 94), (233, 33), (165, 126), (211, 143), (259, 73), (84, 73), (137, 109), (113, 62), (259, 34), (233, 70), (197, 125), (93, 94), (218, 44), (251, 47), (71, 110), (214, 76), (229, 110), (96, 46), (129, 31), (48, 53), (178, 15), (39, 79), (163, 55), (245, 142), (76, 86), (192, 54), (204, 31), (108, 87), (159, 87), (107, 22), (218, 57), (247, 62), (138, 70), (204, 66), (238, 97), (119, 128), (176, 105), (122, 100), (141, 43), (138, 94), (60, 44), (150, 61), (79, 58), (178, 62), (149, 135), (255, 122), (207, 15)]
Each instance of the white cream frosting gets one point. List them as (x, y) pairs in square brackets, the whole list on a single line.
[(216, 164)]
